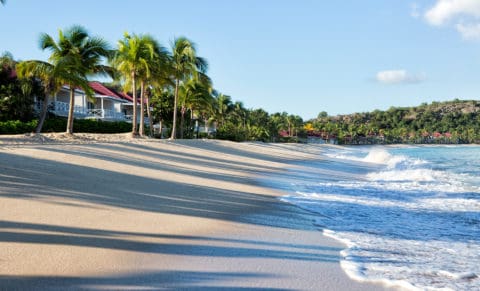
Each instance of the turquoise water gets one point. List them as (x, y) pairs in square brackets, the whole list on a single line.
[(410, 216)]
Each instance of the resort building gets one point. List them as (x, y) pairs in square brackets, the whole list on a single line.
[(107, 104)]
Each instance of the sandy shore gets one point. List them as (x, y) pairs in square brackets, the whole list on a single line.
[(107, 212)]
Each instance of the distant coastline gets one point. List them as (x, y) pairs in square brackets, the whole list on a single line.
[(452, 122)]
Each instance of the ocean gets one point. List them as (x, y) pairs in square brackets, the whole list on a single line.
[(409, 215)]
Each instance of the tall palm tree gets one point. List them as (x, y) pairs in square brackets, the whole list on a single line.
[(78, 55), (160, 80), (51, 77), (185, 64), (154, 71), (133, 59)]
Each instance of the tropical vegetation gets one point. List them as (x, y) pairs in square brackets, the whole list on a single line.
[(77, 55), (172, 88), (439, 122)]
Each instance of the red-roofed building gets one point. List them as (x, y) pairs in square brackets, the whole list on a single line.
[(108, 104), (125, 96), (100, 89)]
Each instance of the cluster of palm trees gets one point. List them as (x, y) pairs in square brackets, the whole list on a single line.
[(172, 82), (139, 62)]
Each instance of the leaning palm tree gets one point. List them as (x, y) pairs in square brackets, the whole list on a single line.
[(51, 77), (79, 56), (185, 64)]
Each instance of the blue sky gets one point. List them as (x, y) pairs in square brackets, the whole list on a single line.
[(299, 56)]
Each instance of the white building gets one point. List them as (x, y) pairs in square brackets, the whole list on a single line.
[(107, 104)]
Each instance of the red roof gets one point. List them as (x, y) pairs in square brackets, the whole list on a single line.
[(102, 90), (125, 96)]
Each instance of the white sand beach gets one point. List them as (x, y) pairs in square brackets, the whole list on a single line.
[(107, 212)]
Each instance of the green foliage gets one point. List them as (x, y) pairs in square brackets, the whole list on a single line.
[(17, 126), (231, 132), (15, 94), (58, 125), (76, 55), (440, 122)]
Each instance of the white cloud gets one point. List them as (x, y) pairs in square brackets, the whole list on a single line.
[(445, 10), (398, 77), (464, 15)]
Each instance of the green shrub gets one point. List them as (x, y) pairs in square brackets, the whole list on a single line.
[(60, 124), (17, 126)]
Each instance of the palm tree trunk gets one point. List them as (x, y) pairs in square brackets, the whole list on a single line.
[(134, 94), (70, 111), (182, 120), (205, 123), (149, 114), (160, 124), (174, 123), (191, 126), (142, 108), (43, 114)]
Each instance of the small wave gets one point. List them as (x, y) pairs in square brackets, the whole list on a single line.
[(378, 156), (409, 219), (414, 175), (381, 156)]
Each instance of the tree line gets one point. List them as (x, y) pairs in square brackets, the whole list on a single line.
[(439, 122), (173, 82)]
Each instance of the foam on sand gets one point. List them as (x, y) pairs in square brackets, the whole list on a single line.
[(409, 216)]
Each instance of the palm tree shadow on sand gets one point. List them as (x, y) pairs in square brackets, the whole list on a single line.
[(171, 197)]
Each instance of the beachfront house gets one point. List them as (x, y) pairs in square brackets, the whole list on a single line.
[(107, 104)]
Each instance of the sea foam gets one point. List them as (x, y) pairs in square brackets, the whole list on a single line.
[(411, 220)]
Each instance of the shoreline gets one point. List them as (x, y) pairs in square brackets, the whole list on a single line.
[(116, 213)]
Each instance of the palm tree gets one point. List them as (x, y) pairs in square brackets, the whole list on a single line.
[(78, 55), (185, 64), (159, 81), (52, 79), (155, 71), (133, 59), (223, 107), (240, 113), (162, 101), (194, 93)]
